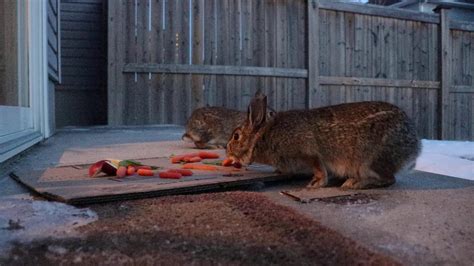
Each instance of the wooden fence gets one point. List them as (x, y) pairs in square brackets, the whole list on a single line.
[(166, 58)]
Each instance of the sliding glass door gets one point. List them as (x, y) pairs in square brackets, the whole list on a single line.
[(21, 70), (15, 111)]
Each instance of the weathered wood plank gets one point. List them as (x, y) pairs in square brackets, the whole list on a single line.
[(169, 47), (380, 11), (81, 7), (281, 46), (445, 70), (350, 81), (210, 49), (115, 56), (461, 89), (247, 54), (80, 17), (461, 25), (197, 99), (216, 70), (271, 50), (313, 93)]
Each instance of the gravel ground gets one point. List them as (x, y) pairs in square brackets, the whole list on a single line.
[(231, 228)]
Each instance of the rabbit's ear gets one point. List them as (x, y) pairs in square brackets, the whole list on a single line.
[(257, 111)]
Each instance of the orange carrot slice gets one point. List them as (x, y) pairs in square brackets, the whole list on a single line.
[(194, 159), (183, 157), (122, 171), (145, 172), (131, 170), (183, 172), (204, 167), (176, 159), (172, 175), (208, 155), (227, 162)]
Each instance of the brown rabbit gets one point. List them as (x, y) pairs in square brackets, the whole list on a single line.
[(364, 142), (211, 127)]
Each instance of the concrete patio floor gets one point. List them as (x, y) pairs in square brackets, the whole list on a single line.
[(423, 219)]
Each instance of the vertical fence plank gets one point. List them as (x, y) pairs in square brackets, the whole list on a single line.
[(140, 112), (115, 58), (198, 46), (233, 28), (170, 56), (445, 67), (159, 25), (130, 56), (313, 89)]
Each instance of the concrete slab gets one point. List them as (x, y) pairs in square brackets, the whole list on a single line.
[(422, 219)]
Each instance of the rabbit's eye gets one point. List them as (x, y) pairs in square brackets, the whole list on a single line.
[(236, 136)]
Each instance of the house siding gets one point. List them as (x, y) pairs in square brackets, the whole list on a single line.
[(53, 43), (53, 50), (81, 98)]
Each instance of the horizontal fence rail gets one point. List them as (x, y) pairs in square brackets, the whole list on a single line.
[(167, 58), (216, 70)]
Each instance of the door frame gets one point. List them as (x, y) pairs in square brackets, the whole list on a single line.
[(38, 85)]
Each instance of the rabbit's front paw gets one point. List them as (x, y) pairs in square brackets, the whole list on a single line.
[(317, 183), (351, 183), (320, 179)]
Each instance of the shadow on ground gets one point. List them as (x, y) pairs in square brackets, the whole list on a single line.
[(220, 228)]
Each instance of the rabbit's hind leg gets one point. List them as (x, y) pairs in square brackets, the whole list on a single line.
[(368, 179), (320, 175)]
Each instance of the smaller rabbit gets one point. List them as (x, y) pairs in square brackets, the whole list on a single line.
[(211, 127), (365, 143)]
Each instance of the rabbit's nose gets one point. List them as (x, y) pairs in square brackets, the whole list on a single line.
[(186, 137)]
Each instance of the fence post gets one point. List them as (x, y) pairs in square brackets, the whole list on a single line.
[(312, 84), (444, 70)]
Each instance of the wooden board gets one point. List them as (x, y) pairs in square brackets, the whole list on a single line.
[(71, 184), (307, 195)]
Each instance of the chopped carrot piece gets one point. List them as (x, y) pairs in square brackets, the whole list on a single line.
[(176, 159), (130, 170), (145, 172), (183, 157), (184, 172), (195, 166), (122, 171), (194, 159), (208, 155), (172, 175), (227, 162)]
